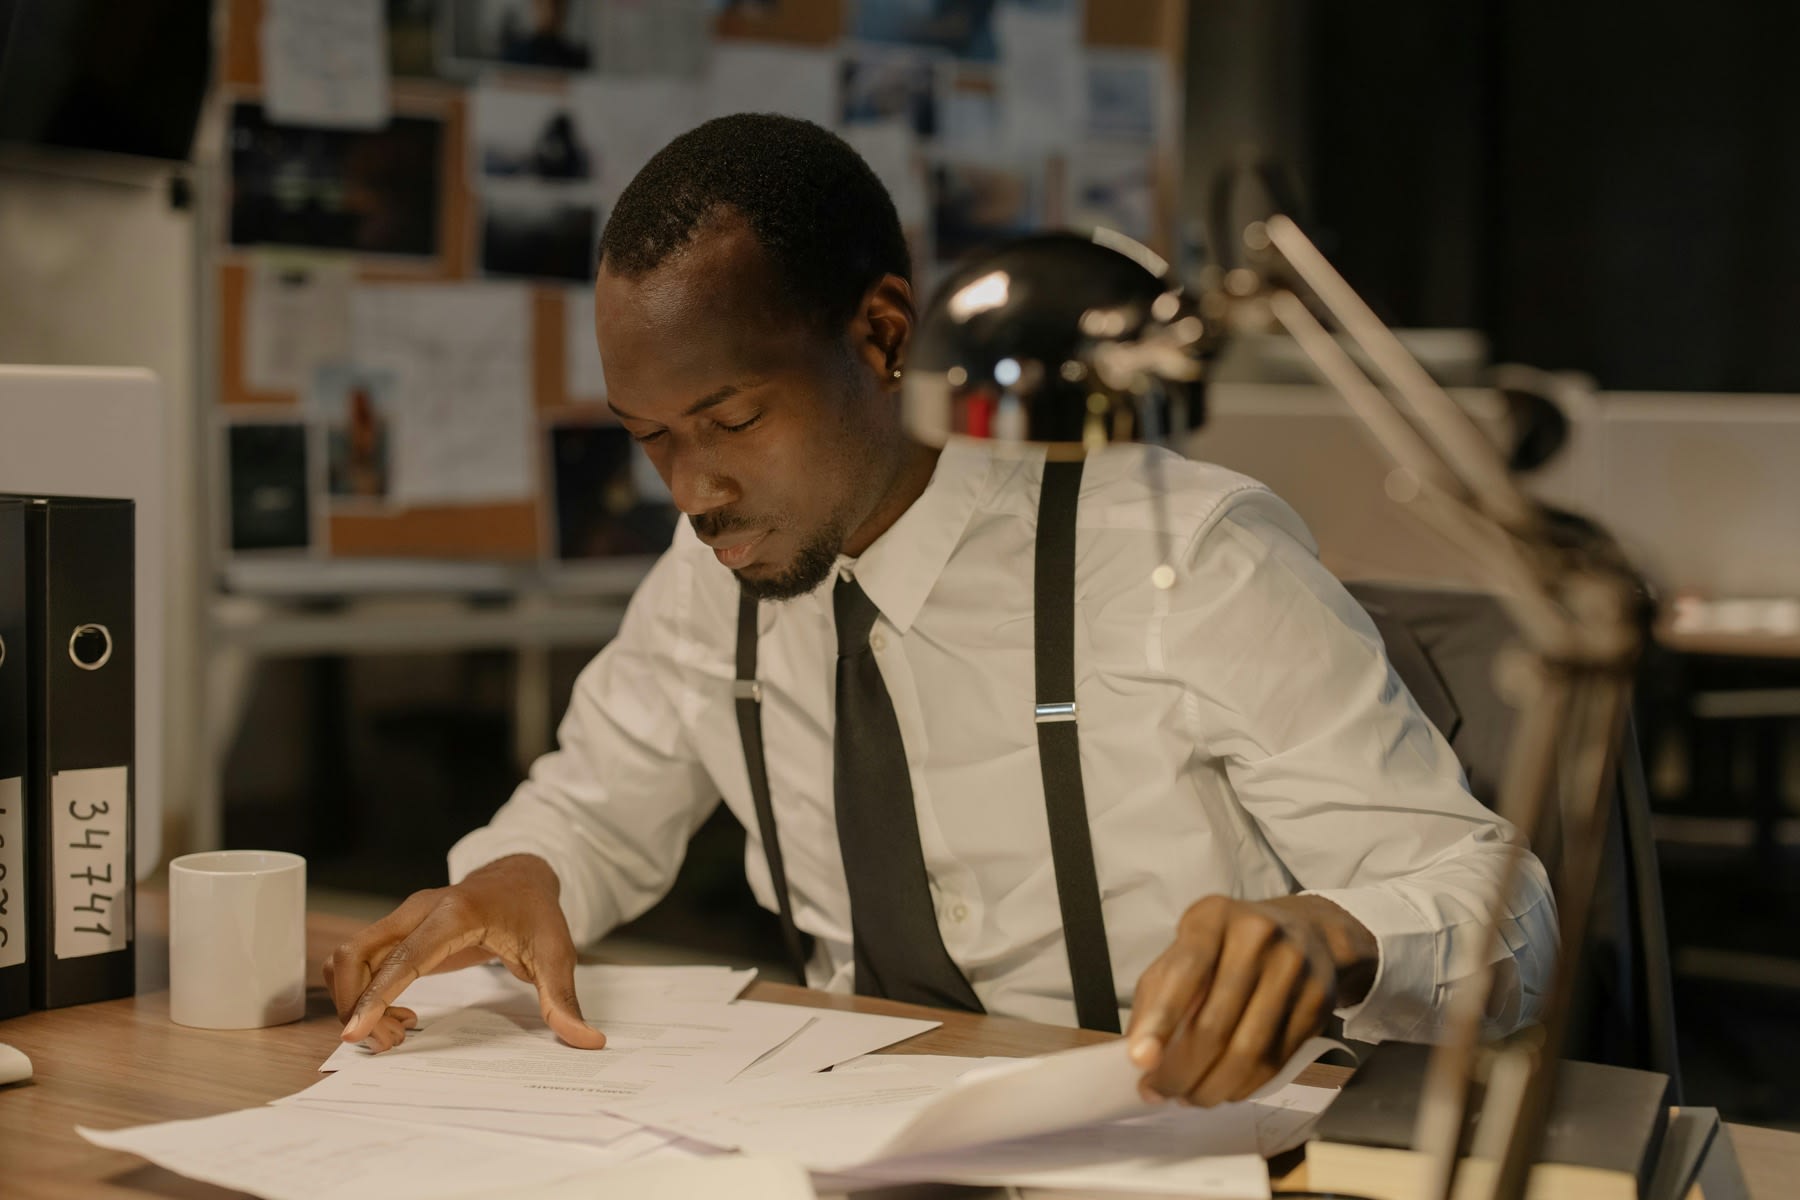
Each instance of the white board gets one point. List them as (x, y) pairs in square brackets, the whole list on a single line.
[(78, 431)]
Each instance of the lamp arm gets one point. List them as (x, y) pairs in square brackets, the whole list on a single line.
[(1582, 619)]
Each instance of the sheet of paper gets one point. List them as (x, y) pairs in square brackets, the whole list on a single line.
[(654, 37), (830, 1037), (848, 1120), (748, 77), (891, 149), (583, 376), (1040, 76), (634, 116), (296, 316), (294, 1153), (463, 417), (482, 1059), (736, 1176), (1128, 97), (325, 62), (590, 1129), (601, 988)]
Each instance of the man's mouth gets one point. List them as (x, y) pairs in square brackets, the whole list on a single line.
[(735, 550)]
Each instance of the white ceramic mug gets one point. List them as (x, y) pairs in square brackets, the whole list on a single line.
[(237, 939)]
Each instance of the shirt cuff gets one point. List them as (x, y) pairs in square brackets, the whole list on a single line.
[(1402, 997)]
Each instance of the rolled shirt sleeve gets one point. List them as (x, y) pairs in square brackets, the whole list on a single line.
[(611, 809), (1354, 791)]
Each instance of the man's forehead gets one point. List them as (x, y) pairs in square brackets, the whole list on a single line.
[(722, 272)]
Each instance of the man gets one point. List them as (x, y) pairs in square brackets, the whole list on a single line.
[(1242, 736)]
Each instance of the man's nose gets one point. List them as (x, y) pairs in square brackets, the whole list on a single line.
[(697, 488)]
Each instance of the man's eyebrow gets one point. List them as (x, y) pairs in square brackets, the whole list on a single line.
[(710, 400)]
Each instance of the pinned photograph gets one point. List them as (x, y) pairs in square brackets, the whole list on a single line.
[(978, 204), (550, 34), (1124, 96), (609, 500), (518, 134), (355, 406), (266, 463), (535, 231), (969, 118), (370, 191), (964, 28), (878, 88)]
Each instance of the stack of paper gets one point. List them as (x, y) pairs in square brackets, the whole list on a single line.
[(690, 1073)]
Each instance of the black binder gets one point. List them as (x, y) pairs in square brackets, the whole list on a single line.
[(79, 778), (15, 943)]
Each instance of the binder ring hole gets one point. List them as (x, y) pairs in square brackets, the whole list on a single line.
[(90, 647)]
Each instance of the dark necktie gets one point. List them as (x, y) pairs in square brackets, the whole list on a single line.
[(899, 952)]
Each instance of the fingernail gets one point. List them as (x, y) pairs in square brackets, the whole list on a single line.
[(1143, 1051)]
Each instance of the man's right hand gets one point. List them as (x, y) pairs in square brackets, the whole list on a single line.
[(507, 909)]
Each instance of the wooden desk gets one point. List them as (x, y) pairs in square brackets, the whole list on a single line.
[(125, 1063)]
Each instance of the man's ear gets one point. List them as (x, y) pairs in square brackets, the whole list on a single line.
[(882, 329)]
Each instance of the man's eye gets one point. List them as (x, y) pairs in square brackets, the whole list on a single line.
[(741, 426), (645, 438)]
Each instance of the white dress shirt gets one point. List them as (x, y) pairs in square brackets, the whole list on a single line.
[(1241, 733)]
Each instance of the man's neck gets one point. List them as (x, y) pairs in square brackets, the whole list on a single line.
[(917, 464)]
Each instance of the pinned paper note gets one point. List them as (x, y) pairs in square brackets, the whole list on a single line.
[(462, 398), (297, 316), (325, 62), (779, 79), (1040, 76)]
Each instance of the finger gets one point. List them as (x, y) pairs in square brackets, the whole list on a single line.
[(1250, 1057), (553, 973), (1198, 1044), (1307, 1017), (447, 930), (387, 1034), (407, 1017), (350, 967), (1169, 988)]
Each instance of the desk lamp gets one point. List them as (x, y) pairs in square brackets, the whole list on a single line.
[(1071, 342)]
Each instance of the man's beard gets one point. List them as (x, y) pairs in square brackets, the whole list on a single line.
[(811, 567)]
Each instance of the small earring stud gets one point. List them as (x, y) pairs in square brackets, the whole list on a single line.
[(896, 372)]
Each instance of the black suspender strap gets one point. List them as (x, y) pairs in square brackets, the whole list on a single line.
[(748, 694), (1059, 752)]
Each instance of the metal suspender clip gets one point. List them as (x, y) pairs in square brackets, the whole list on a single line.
[(1046, 713), (746, 689)]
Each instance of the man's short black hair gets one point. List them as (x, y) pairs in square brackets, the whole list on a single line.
[(820, 214)]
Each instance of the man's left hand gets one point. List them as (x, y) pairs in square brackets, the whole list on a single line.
[(1239, 990)]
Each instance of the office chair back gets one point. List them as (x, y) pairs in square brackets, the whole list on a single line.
[(1442, 644)]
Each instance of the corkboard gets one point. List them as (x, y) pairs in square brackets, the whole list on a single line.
[(490, 532), (1137, 24), (517, 532)]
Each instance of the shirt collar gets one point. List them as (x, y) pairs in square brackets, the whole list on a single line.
[(900, 567)]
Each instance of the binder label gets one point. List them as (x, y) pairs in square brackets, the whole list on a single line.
[(88, 811), (12, 872)]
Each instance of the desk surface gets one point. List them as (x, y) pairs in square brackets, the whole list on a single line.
[(125, 1063)]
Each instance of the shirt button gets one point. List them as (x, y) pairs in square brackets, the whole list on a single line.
[(959, 912), (877, 642)]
